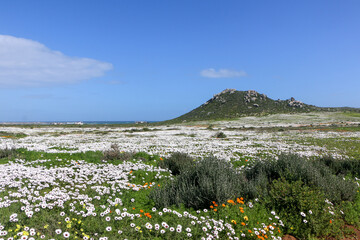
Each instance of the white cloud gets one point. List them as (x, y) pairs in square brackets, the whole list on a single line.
[(25, 62), (222, 73)]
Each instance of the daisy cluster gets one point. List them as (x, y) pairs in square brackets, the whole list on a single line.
[(80, 200), (197, 141)]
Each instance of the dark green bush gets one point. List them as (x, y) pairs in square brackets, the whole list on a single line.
[(342, 166), (302, 208), (211, 179), (114, 153), (7, 153), (220, 135), (312, 173), (177, 162)]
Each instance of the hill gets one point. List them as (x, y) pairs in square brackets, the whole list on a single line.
[(231, 103)]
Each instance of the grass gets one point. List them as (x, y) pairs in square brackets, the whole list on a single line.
[(12, 135), (346, 146)]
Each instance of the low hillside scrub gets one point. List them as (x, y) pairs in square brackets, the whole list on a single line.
[(210, 179), (177, 162), (294, 168)]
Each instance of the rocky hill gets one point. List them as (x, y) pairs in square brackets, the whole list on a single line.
[(231, 103)]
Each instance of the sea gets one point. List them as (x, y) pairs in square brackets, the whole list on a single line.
[(72, 122)]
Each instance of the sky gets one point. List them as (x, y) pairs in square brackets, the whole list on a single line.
[(124, 60)]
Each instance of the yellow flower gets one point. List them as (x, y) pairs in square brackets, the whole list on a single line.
[(246, 218), (46, 226), (26, 233)]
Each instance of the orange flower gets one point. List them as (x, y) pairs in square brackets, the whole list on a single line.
[(215, 210), (249, 231), (330, 221), (216, 205), (231, 201), (223, 205), (161, 159), (141, 210), (211, 206), (242, 223)]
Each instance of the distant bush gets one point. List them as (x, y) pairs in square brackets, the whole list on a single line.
[(177, 162), (220, 135), (114, 153), (210, 179), (7, 153)]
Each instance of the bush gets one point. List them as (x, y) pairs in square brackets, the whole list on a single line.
[(209, 180), (301, 208), (177, 162), (294, 168), (342, 166), (220, 135), (7, 153), (114, 153)]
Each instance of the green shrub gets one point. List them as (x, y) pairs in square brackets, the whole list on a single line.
[(211, 179), (342, 166), (352, 211), (302, 208), (294, 168), (220, 135), (177, 162), (7, 153), (114, 153)]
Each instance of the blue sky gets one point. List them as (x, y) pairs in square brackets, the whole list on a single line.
[(156, 60)]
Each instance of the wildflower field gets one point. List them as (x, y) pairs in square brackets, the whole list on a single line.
[(253, 178)]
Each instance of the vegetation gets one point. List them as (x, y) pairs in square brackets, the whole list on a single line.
[(114, 153), (220, 135), (233, 105), (297, 189), (177, 162)]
